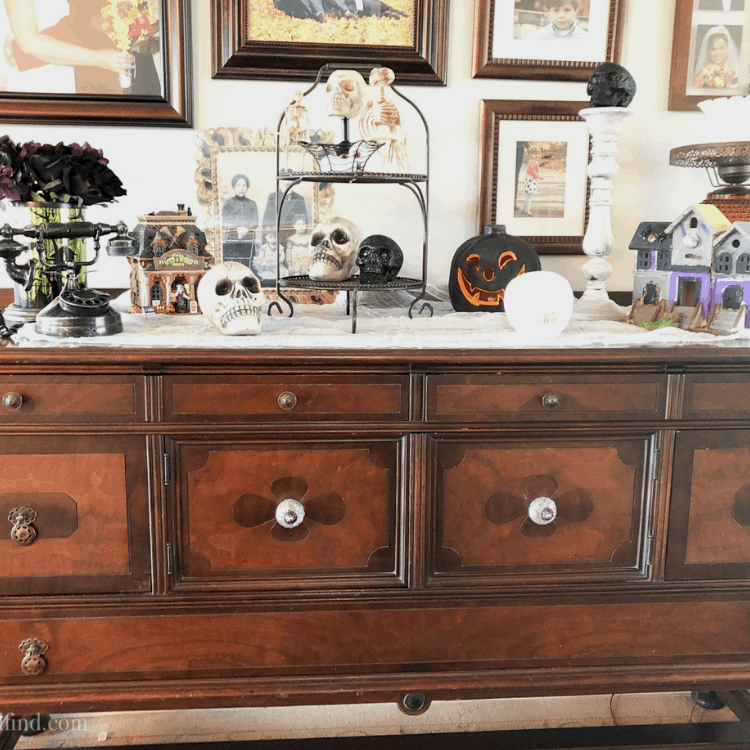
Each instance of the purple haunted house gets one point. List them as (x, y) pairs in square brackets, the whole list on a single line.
[(701, 258)]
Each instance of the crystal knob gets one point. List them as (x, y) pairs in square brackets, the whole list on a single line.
[(12, 401), (551, 400), (287, 400), (543, 511), (290, 513)]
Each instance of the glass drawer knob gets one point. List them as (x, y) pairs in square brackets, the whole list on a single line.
[(290, 513), (543, 511), (12, 401), (287, 400), (551, 400)]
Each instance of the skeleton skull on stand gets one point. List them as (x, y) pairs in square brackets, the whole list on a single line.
[(345, 98), (333, 249), (230, 298)]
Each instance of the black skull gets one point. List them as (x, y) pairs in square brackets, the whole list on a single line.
[(610, 86), (379, 260)]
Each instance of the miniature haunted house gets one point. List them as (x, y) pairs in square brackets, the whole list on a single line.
[(694, 272), (171, 260)]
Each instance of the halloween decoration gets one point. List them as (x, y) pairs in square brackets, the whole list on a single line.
[(379, 260), (484, 266), (539, 304), (169, 261), (230, 298), (610, 85), (345, 94), (333, 249), (381, 121)]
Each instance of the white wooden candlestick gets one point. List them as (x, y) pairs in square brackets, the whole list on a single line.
[(605, 124)]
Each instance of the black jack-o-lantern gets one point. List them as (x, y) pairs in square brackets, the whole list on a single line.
[(484, 265)]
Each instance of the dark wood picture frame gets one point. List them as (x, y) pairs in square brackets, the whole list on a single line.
[(494, 112), (235, 55), (687, 17), (174, 110), (486, 66)]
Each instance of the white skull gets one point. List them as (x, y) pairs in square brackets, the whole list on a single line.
[(333, 249), (345, 90), (230, 297)]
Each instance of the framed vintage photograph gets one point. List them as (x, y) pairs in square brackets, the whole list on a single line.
[(293, 39), (140, 53), (236, 186), (546, 39), (533, 173), (710, 51)]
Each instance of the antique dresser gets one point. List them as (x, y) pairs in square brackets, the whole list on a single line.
[(196, 527)]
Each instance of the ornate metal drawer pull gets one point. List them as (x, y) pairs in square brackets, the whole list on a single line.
[(551, 400), (33, 663), (287, 400), (12, 401), (22, 519)]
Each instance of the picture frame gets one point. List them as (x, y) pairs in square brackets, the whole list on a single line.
[(240, 221), (74, 99), (237, 54), (700, 25), (512, 131), (505, 43)]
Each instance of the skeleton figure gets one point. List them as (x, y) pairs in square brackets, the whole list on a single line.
[(381, 122), (333, 249), (230, 298), (345, 93), (296, 129), (379, 260)]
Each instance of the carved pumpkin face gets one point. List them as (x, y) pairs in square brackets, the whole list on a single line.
[(483, 266)]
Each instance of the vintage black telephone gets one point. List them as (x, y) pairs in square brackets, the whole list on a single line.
[(76, 310)]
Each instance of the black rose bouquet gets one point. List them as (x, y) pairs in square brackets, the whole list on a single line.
[(63, 174)]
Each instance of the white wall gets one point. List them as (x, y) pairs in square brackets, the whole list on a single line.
[(157, 165)]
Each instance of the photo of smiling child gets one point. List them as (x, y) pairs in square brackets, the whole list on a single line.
[(563, 23), (540, 183)]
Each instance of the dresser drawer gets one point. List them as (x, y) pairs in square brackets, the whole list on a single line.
[(28, 399), (74, 515), (289, 514), (716, 396), (504, 398), (513, 510), (270, 397)]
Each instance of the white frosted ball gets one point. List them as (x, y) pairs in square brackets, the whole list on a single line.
[(539, 304)]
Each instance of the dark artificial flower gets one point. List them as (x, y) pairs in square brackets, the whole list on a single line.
[(61, 173)]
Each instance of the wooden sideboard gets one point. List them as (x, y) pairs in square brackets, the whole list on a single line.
[(453, 524)]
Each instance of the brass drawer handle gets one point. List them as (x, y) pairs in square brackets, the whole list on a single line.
[(551, 400), (287, 400), (12, 401), (33, 663), (23, 531)]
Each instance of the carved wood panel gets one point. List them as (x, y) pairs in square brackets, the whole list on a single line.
[(90, 511), (710, 510), (552, 507), (287, 513)]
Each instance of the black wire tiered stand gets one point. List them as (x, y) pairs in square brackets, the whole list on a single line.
[(345, 162)]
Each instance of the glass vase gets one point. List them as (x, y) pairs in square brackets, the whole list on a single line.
[(28, 300)]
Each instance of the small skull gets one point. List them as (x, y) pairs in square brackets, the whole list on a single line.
[(379, 260), (345, 90), (230, 298), (610, 85), (333, 249)]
